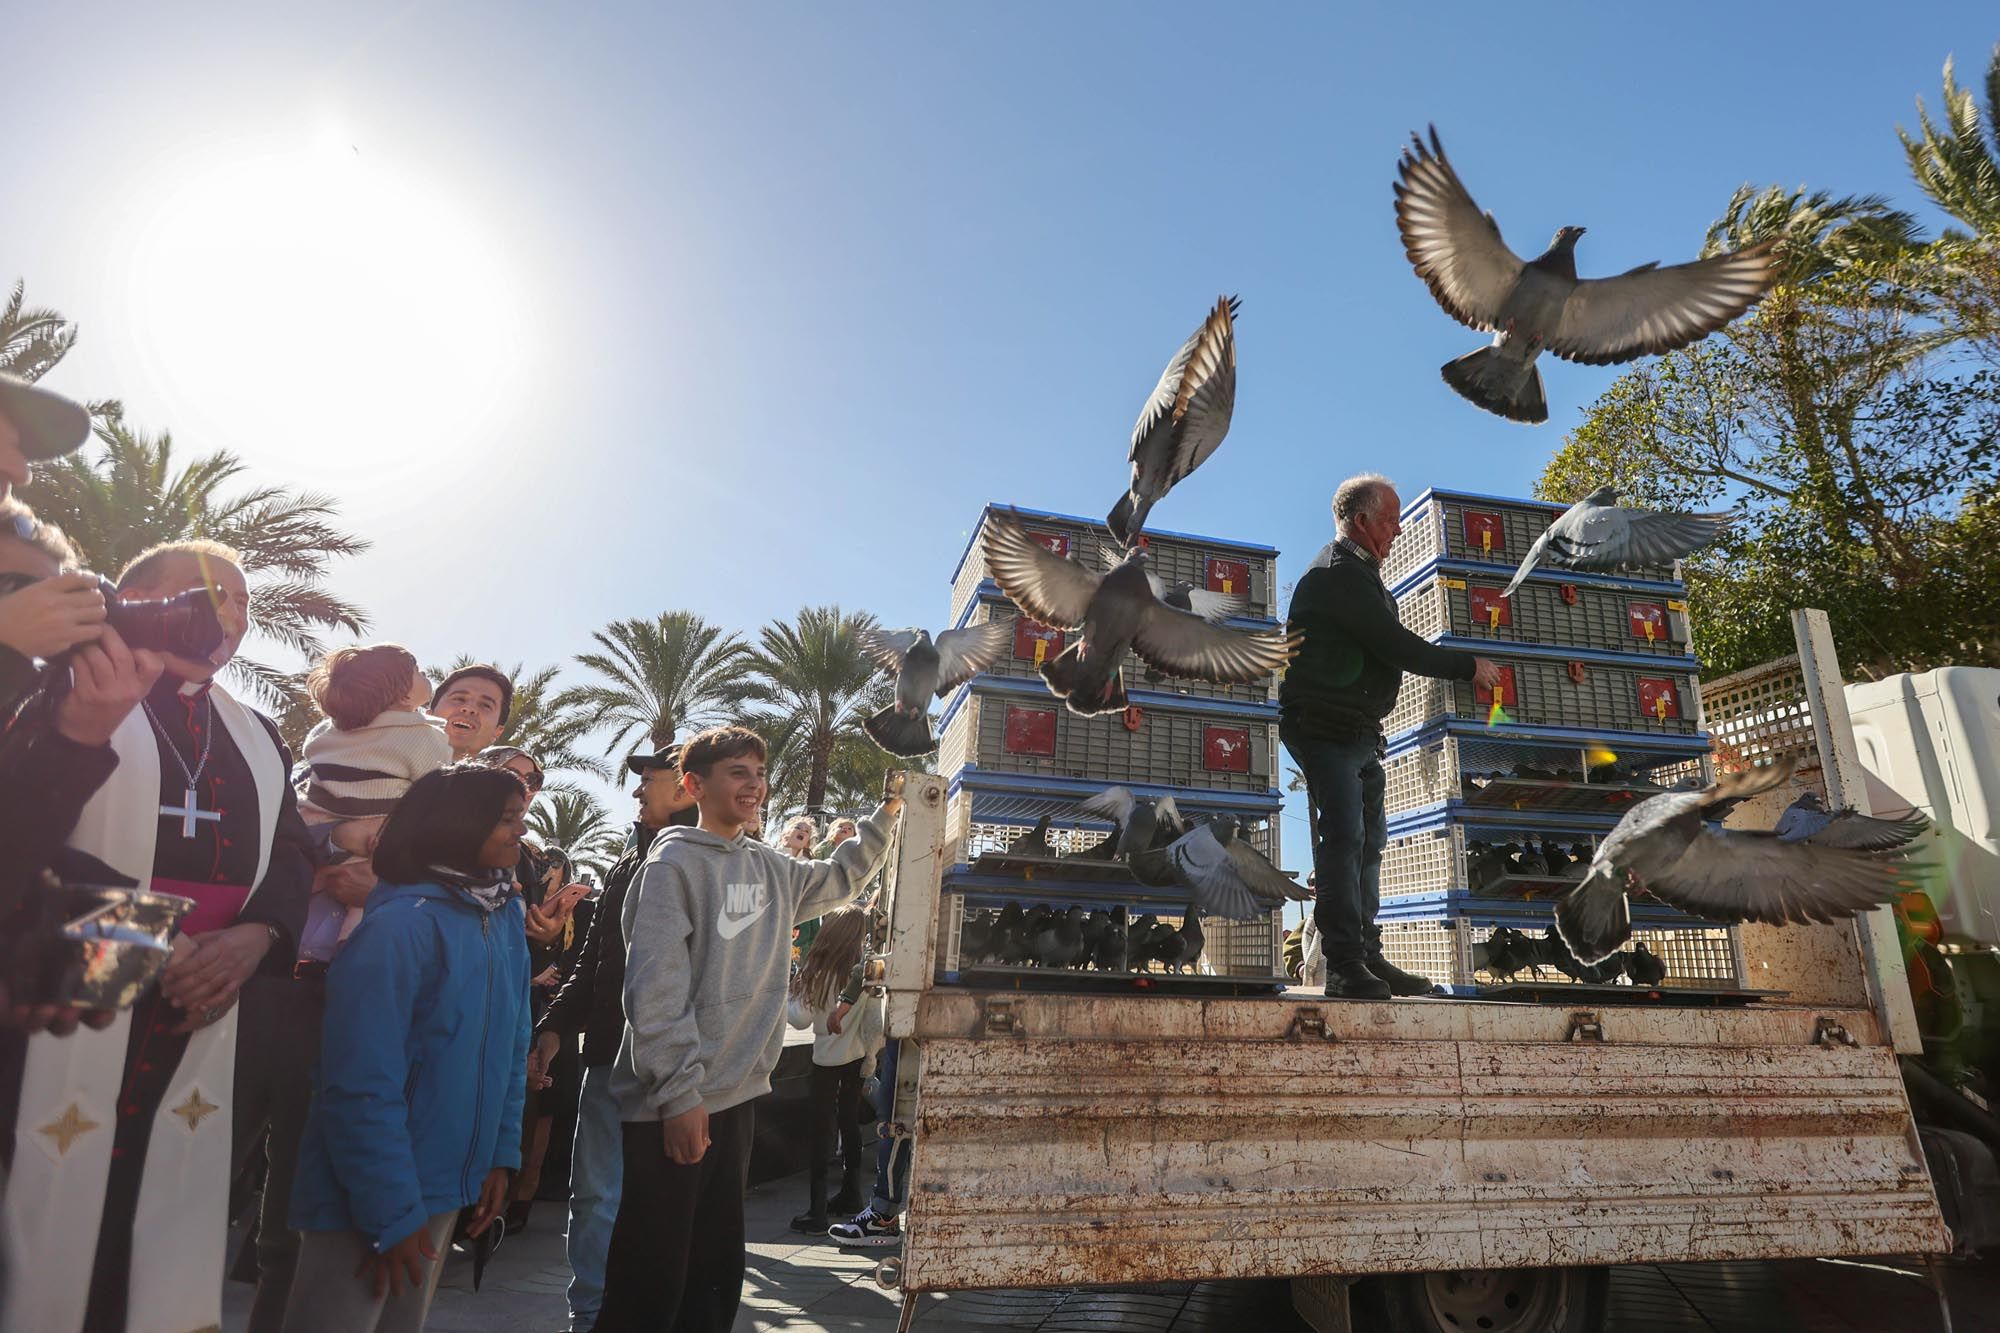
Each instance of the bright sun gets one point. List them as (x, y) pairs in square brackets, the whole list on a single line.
[(323, 306)]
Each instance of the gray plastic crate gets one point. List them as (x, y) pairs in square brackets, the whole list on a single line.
[(1548, 692), (1702, 956), (969, 836), (1162, 746), (1453, 525), (1250, 950), (1022, 663), (1437, 860), (1248, 572), (1455, 768), (1561, 615)]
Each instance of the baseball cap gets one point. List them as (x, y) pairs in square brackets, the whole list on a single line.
[(670, 757), (50, 424)]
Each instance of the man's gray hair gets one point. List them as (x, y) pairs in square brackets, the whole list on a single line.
[(1357, 496)]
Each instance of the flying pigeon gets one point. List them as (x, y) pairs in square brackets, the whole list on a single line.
[(924, 668), (1663, 846), (1227, 876), (1183, 595), (1184, 421), (1146, 828), (1115, 611), (1807, 820), (1596, 533), (1540, 305)]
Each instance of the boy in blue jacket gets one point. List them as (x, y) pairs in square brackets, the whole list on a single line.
[(417, 1105)]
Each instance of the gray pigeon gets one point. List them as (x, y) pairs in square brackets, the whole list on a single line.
[(1664, 847), (1116, 611), (1183, 595), (1807, 820), (1146, 828), (1227, 876), (924, 669), (1035, 842), (1539, 304), (1184, 421), (1596, 533)]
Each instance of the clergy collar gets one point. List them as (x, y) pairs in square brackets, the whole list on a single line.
[(171, 691)]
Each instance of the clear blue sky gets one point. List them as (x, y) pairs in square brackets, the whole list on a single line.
[(591, 311)]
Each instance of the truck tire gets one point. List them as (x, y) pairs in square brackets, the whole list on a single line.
[(1484, 1300)]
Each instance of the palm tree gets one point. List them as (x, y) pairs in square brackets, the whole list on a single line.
[(1958, 165), (542, 723), (1822, 233), (126, 493), (659, 676), (34, 338), (815, 680), (576, 822)]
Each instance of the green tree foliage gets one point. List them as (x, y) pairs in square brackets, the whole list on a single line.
[(659, 677), (813, 687)]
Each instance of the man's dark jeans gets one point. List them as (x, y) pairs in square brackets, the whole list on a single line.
[(1345, 784)]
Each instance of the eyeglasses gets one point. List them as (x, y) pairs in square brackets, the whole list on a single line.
[(23, 525)]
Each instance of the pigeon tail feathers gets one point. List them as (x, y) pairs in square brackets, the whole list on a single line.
[(1496, 384), (1066, 677), (901, 733), (1593, 919), (1126, 518)]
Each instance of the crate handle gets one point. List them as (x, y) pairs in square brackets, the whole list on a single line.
[(1134, 718), (1569, 594), (1308, 1020), (1576, 672), (1585, 1027)]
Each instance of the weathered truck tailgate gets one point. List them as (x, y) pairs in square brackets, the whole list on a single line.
[(1082, 1139)]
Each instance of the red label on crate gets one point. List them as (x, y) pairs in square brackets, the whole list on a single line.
[(1502, 692), (1031, 730), (1484, 532), (1648, 620), (1229, 577), (1034, 641), (1225, 749), (1659, 698), (1490, 608), (1054, 541)]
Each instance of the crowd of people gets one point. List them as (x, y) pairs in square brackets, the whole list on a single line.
[(383, 994)]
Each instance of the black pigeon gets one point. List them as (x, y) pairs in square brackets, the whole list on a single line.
[(1059, 943), (1579, 860), (1035, 842), (1554, 859), (1551, 950), (1664, 846), (1117, 611), (1008, 943), (1517, 859), (1504, 954), (1644, 966), (975, 937), (1138, 940), (1184, 421), (1808, 820), (924, 669), (1539, 304), (1112, 942)]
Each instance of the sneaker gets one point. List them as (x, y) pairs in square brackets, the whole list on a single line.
[(1400, 982), (1351, 980), (810, 1223), (868, 1228)]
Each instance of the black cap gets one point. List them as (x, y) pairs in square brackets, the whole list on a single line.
[(646, 763), (50, 424)]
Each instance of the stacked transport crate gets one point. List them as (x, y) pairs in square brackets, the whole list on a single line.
[(1012, 753), (1598, 706)]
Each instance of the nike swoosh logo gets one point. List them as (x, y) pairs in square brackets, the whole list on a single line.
[(729, 927)]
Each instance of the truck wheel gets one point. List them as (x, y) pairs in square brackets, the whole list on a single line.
[(1485, 1300)]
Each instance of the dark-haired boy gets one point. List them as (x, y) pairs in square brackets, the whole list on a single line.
[(708, 925), (474, 702)]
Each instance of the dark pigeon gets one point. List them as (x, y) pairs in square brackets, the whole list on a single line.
[(923, 670)]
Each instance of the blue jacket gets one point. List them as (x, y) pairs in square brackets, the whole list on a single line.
[(422, 1066)]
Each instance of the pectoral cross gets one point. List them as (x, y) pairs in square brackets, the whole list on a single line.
[(189, 812)]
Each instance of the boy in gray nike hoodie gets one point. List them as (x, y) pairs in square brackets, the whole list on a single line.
[(708, 924)]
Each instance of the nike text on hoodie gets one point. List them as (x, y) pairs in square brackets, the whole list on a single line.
[(709, 924)]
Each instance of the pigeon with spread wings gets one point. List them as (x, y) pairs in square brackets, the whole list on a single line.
[(1183, 595), (1537, 305), (923, 669), (1115, 611), (1665, 846), (1597, 533), (1808, 820), (1184, 421), (1224, 875)]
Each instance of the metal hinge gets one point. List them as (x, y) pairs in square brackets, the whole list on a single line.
[(1000, 1017), (1307, 1021), (1827, 1032), (1585, 1027)]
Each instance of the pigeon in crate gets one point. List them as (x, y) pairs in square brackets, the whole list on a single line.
[(1177, 949), (1007, 944), (1184, 421), (1059, 943), (1035, 842), (975, 937), (1645, 967), (1138, 938), (1116, 611), (927, 669), (1146, 827), (1808, 820), (1596, 533), (1550, 949), (1664, 846), (1537, 305), (1108, 953), (1554, 859), (1504, 954)]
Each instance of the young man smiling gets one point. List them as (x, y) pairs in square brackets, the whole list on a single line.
[(474, 702), (708, 926)]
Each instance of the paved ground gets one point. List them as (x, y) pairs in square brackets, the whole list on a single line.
[(802, 1287)]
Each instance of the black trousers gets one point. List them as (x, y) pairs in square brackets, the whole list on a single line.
[(835, 1102), (277, 1049), (676, 1261)]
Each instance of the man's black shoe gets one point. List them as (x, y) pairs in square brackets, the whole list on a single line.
[(1400, 982), (1352, 980)]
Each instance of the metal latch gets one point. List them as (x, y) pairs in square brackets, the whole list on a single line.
[(1585, 1027), (1827, 1032), (1307, 1021), (1000, 1016)]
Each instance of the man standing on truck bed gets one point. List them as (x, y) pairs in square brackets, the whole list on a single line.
[(1331, 705)]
